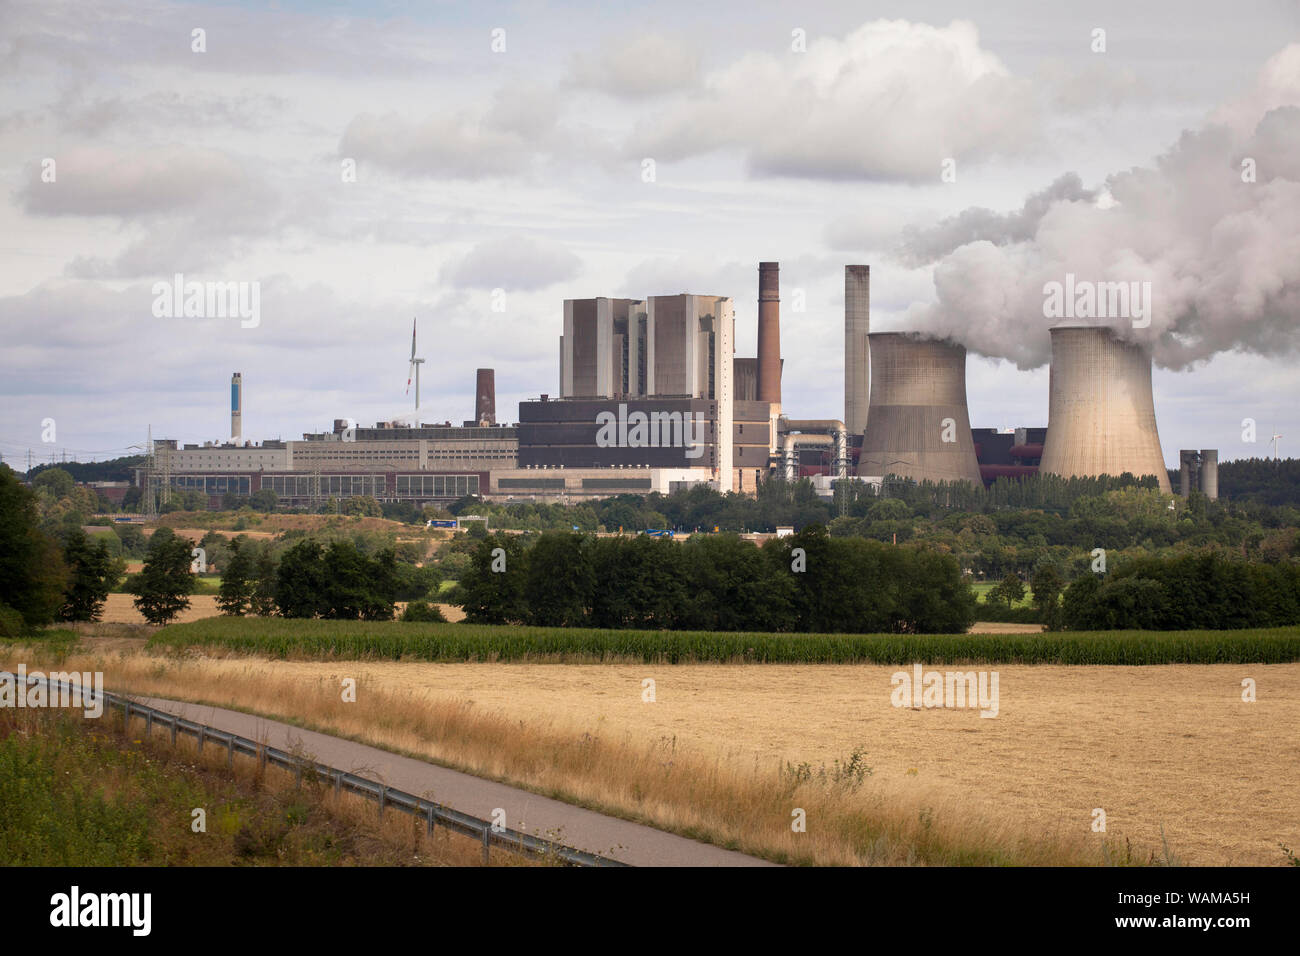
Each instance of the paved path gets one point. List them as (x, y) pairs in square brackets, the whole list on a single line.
[(573, 826)]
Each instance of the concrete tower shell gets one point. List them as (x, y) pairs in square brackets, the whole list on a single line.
[(918, 403), (769, 332), (857, 348), (485, 396), (1101, 418)]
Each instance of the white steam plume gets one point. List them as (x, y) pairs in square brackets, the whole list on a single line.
[(1222, 253)]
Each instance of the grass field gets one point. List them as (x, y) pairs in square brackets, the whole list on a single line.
[(352, 640), (78, 792)]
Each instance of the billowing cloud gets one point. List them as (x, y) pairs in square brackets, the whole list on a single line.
[(515, 263), (891, 101), (645, 65), (919, 246), (1221, 252)]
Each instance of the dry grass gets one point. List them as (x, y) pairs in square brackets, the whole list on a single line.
[(256, 814), (852, 818)]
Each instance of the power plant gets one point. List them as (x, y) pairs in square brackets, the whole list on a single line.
[(918, 426), (1101, 418), (653, 398)]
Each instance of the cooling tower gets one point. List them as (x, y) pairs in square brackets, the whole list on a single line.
[(485, 401), (1101, 419), (769, 332), (857, 350), (918, 426)]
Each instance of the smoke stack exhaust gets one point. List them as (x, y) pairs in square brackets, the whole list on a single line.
[(769, 332), (857, 347), (236, 406), (919, 426), (485, 401), (1101, 419)]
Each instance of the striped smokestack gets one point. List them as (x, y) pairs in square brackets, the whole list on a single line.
[(485, 401), (236, 406), (769, 332)]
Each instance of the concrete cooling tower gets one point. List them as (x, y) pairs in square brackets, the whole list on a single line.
[(1101, 419), (918, 426)]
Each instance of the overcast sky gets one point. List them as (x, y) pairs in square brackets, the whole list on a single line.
[(814, 134)]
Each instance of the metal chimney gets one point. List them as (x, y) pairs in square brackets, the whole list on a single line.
[(1101, 419)]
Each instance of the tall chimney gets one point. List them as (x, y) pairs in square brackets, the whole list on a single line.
[(857, 347), (769, 332), (485, 402), (236, 406)]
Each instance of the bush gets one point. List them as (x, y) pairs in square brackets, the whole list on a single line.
[(12, 626), (421, 611)]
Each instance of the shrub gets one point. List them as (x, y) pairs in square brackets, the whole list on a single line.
[(420, 611)]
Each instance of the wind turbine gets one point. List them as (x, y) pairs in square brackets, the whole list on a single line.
[(414, 369), (1274, 441)]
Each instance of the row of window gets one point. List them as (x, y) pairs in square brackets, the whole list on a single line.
[(436, 486), (213, 484)]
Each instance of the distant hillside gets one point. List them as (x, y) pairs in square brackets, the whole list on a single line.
[(116, 469), (1264, 480)]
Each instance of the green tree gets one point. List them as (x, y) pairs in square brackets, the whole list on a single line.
[(163, 587), (1010, 589), (32, 573), (93, 573), (237, 581), (1047, 585), (362, 505), (264, 500), (262, 600), (300, 581), (56, 481), (561, 580), (492, 587)]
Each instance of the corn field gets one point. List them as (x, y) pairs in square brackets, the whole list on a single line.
[(385, 640)]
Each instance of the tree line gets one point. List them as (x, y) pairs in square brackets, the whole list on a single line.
[(807, 582)]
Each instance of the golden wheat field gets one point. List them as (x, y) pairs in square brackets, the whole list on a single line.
[(1172, 746)]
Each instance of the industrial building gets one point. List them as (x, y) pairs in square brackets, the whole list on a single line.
[(1198, 471), (653, 398)]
